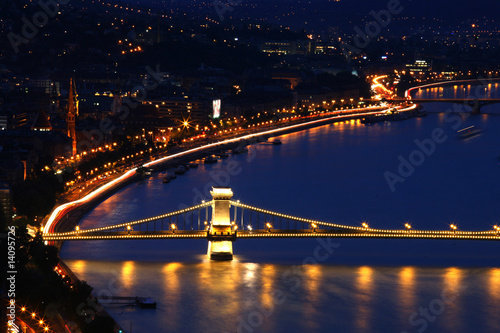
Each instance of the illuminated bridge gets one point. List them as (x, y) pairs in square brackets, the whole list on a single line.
[(221, 221), (475, 101)]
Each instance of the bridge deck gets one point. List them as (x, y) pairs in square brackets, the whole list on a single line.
[(275, 233)]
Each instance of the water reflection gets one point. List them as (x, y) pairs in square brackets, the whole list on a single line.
[(128, 274), (217, 292), (172, 295), (453, 290), (312, 289), (364, 286), (494, 285), (493, 292), (407, 286), (268, 273), (78, 267)]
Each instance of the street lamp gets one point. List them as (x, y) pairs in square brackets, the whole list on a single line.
[(173, 226), (268, 226), (453, 227), (497, 228), (314, 226), (407, 226), (365, 225)]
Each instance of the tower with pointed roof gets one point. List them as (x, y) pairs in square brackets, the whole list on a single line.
[(72, 114)]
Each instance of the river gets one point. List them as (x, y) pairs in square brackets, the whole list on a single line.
[(337, 173)]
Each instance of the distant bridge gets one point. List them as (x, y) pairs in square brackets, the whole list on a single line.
[(474, 103), (221, 221)]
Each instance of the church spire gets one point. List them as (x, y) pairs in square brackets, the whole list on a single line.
[(71, 115)]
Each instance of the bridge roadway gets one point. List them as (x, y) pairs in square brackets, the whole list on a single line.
[(455, 100), (277, 233), (483, 101)]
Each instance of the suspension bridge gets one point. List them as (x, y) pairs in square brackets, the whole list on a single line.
[(221, 221)]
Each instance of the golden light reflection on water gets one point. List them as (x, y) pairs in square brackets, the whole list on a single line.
[(494, 295), (494, 285), (78, 267), (268, 273), (364, 286), (172, 300), (453, 289), (407, 286), (314, 274), (312, 287), (453, 279), (218, 286), (249, 274), (128, 274)]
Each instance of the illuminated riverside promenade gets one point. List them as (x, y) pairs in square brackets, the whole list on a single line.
[(221, 230), (60, 212)]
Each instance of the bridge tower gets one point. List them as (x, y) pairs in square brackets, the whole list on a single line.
[(221, 234)]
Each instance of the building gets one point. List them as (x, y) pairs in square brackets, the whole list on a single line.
[(5, 203), (419, 66), (183, 109), (11, 119), (71, 116), (41, 122), (287, 47)]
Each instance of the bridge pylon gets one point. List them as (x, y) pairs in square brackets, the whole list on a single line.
[(221, 234)]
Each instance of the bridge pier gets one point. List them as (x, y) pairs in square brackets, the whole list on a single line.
[(476, 107), (221, 234)]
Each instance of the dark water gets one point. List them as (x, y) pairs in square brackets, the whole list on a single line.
[(334, 173)]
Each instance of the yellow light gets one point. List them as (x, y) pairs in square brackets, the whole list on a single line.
[(173, 226), (407, 225), (23, 309), (365, 225), (40, 322), (77, 228), (33, 315)]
